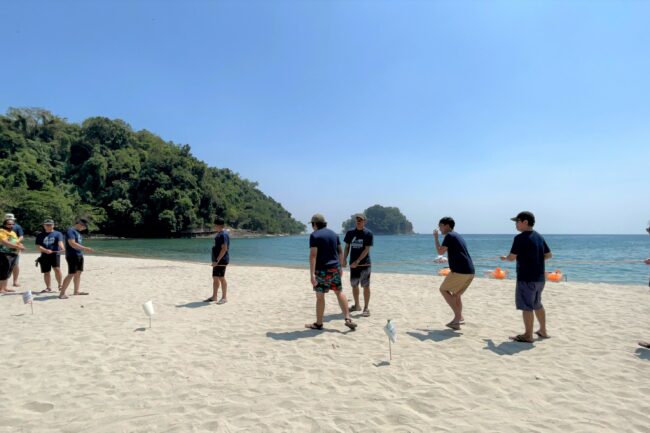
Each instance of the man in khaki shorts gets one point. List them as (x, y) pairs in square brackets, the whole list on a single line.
[(461, 266)]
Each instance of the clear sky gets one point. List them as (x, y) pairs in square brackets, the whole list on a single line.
[(474, 109)]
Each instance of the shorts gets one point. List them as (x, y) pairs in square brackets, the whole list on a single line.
[(456, 283), (360, 275), (528, 295), (49, 261), (328, 279), (219, 271), (7, 263), (75, 264)]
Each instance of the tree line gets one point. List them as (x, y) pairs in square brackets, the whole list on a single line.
[(383, 221), (128, 183)]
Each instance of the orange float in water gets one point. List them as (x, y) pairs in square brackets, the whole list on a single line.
[(499, 274), (444, 272), (555, 276)]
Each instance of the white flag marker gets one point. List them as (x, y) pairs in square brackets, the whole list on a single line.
[(148, 310), (28, 298)]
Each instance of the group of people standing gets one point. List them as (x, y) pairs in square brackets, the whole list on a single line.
[(51, 244), (326, 260)]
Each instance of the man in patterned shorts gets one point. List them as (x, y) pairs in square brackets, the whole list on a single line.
[(325, 270)]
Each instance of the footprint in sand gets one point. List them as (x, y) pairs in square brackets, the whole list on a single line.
[(39, 406)]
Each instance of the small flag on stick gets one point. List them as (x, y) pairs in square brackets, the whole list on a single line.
[(28, 298), (391, 332), (148, 310)]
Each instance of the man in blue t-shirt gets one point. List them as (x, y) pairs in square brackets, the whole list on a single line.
[(530, 250), (325, 270), (74, 255), (220, 260), (357, 243), (460, 265), (21, 235), (50, 244)]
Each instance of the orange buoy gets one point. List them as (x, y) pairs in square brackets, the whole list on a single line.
[(499, 274), (555, 276), (444, 272)]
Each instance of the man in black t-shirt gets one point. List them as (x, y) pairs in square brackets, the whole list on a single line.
[(325, 270), (530, 250), (460, 265), (220, 261), (358, 241), (50, 244)]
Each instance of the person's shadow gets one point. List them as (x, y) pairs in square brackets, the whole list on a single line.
[(643, 353), (296, 335), (436, 335), (196, 304), (507, 347), (46, 298)]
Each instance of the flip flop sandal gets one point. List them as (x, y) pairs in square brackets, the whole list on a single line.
[(543, 337), (221, 301), (520, 339), (350, 324), (366, 313), (314, 326)]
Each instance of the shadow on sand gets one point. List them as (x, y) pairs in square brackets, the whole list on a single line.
[(643, 353), (507, 347), (46, 298), (296, 335), (196, 304), (436, 335)]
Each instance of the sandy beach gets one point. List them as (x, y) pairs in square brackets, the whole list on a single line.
[(91, 363)]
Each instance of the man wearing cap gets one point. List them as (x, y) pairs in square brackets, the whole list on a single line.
[(325, 270), (359, 240), (21, 234), (50, 243), (460, 265), (530, 250), (74, 255), (10, 246)]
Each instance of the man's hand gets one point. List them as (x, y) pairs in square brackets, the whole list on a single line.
[(503, 258), (647, 261), (436, 232), (344, 263)]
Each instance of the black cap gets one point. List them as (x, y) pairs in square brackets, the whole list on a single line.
[(525, 216)]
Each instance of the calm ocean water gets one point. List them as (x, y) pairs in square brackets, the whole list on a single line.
[(594, 258)]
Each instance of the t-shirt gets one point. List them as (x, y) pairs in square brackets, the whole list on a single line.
[(72, 234), (358, 240), (327, 242), (19, 230), (220, 239), (530, 247), (49, 241), (460, 261), (10, 236)]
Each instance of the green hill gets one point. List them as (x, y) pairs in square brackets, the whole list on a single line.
[(129, 183), (383, 220)]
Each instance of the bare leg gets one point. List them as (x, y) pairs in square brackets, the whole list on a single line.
[(453, 304), (64, 286), (320, 307), (366, 297), (77, 283), (3, 285), (15, 273), (541, 318), (215, 288), (355, 295), (48, 280), (58, 276), (224, 289), (343, 303), (529, 321)]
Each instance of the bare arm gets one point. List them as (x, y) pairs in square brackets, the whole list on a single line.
[(77, 246), (363, 255), (222, 252), (344, 262), (510, 257), (17, 246), (313, 251), (441, 250), (548, 255)]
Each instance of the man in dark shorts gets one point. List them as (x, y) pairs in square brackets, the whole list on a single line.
[(50, 244), (325, 270), (460, 265), (21, 235), (74, 255), (530, 250), (358, 241), (220, 261), (10, 246)]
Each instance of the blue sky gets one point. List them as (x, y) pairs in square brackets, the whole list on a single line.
[(471, 109)]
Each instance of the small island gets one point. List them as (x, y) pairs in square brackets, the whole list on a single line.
[(383, 221)]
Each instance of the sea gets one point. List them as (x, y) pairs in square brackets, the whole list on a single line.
[(615, 259)]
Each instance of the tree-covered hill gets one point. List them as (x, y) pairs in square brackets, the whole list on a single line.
[(383, 221), (129, 183)]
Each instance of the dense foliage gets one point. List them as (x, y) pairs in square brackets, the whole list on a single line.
[(129, 183), (384, 221)]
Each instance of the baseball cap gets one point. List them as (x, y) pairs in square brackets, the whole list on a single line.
[(48, 222), (525, 215), (360, 215), (318, 218)]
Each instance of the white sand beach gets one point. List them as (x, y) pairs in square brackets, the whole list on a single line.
[(91, 364)]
